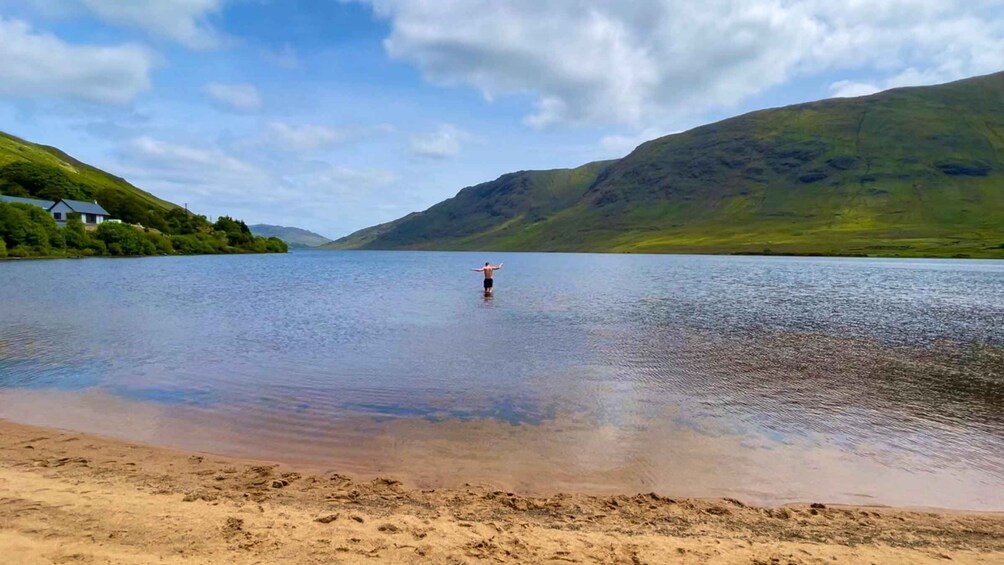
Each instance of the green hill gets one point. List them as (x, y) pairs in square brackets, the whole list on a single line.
[(294, 237), (907, 172), (38, 171), (29, 169), (481, 216)]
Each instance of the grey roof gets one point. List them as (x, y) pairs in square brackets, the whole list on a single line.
[(34, 201), (85, 207)]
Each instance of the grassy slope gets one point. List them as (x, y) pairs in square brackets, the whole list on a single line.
[(15, 149), (911, 172), (481, 216)]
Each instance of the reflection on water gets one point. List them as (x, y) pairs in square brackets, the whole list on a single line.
[(667, 365)]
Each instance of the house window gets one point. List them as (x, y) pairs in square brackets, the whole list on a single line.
[(58, 216), (92, 219)]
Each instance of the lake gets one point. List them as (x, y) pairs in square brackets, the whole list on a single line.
[(767, 379)]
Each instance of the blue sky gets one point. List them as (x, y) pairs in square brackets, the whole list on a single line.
[(335, 115)]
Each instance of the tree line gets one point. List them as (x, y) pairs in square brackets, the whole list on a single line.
[(31, 232)]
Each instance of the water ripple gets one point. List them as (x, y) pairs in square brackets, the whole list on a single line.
[(897, 362)]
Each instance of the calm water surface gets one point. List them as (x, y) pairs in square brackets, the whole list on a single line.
[(773, 379)]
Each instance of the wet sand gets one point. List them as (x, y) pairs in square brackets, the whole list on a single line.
[(68, 497), (564, 454)]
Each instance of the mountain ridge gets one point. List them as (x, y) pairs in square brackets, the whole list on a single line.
[(913, 171)]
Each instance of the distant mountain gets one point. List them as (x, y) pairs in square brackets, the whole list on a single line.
[(911, 172), (294, 237)]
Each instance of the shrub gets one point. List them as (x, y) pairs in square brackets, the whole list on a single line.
[(13, 225), (74, 233), (95, 247), (237, 232), (180, 222), (29, 226), (194, 244), (161, 242), (123, 239), (22, 251), (276, 245)]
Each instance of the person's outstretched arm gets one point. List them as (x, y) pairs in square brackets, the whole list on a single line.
[(478, 270), (498, 268)]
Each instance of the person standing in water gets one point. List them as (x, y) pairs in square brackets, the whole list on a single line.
[(488, 270)]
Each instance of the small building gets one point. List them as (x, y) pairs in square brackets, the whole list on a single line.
[(91, 213)]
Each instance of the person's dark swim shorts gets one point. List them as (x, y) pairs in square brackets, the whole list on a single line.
[(488, 284)]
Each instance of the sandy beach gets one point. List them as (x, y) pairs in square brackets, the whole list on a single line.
[(67, 497)]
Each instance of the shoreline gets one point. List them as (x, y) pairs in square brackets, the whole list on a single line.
[(536, 460), (57, 257), (813, 255), (531, 251), (80, 497)]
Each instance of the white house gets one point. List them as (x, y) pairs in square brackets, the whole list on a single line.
[(91, 213)]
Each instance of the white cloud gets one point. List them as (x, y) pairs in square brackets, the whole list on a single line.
[(184, 21), (342, 181), (183, 164), (284, 58), (212, 181), (309, 137), (327, 197), (207, 179), (243, 97), (40, 64), (621, 145), (302, 138), (446, 141), (598, 61), (851, 89)]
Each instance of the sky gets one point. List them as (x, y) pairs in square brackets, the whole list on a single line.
[(334, 115)]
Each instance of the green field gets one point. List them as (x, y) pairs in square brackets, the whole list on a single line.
[(908, 172)]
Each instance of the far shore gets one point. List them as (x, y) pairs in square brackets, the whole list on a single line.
[(57, 257), (965, 257), (72, 497), (697, 253)]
